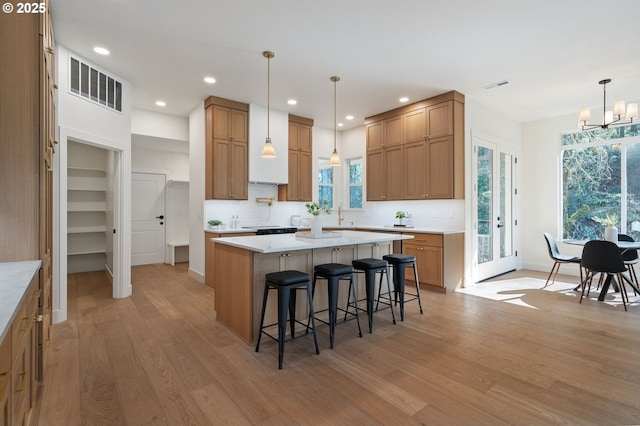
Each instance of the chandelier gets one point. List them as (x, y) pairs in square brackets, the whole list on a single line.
[(609, 118)]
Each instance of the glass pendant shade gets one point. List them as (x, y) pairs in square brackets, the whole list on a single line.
[(267, 150), (334, 161)]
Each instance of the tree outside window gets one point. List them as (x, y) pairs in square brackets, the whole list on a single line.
[(355, 183), (325, 186), (600, 178)]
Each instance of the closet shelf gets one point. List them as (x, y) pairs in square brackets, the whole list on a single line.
[(86, 229)]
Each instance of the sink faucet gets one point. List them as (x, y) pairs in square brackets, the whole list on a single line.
[(340, 218)]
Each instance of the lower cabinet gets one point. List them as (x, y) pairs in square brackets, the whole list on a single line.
[(209, 254), (19, 361), (439, 259)]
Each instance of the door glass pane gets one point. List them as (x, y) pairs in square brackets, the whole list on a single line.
[(506, 208), (633, 191), (485, 204)]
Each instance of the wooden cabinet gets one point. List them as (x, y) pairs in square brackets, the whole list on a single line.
[(19, 359), (439, 259), (210, 253), (300, 179), (428, 163), (227, 149), (27, 145)]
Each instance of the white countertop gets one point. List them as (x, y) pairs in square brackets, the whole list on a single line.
[(15, 278), (387, 228), (290, 242)]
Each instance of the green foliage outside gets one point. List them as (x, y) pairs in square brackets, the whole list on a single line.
[(592, 178)]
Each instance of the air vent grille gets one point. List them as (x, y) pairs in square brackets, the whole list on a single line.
[(95, 85)]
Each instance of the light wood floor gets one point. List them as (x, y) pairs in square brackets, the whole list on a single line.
[(160, 357)]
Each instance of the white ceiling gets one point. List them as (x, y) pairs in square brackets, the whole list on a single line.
[(553, 52)]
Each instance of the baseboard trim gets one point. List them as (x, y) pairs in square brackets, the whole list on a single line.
[(196, 276)]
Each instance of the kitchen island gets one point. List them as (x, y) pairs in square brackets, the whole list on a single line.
[(242, 262)]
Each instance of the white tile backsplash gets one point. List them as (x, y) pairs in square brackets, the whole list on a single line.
[(442, 214)]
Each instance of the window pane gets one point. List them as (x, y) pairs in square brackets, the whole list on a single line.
[(325, 194), (326, 175), (633, 191), (355, 171), (591, 179), (355, 197)]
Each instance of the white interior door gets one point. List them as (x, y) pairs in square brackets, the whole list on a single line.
[(147, 218), (493, 200)]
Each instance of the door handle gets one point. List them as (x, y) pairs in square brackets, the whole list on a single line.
[(160, 217)]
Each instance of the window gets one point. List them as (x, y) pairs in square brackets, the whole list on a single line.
[(325, 183), (600, 180), (355, 183)]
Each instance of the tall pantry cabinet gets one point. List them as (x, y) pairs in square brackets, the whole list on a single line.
[(27, 144)]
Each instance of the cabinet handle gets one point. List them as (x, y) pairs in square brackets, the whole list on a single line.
[(376, 244), (39, 318), (285, 255), (49, 49)]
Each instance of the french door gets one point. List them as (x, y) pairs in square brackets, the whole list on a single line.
[(493, 203)]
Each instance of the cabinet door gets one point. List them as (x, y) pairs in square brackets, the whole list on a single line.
[(415, 126), (304, 138), (375, 175), (394, 131), (394, 172), (440, 119), (415, 170), (239, 126), (305, 181), (221, 121), (210, 259), (375, 136), (239, 171), (220, 168), (293, 192), (439, 168)]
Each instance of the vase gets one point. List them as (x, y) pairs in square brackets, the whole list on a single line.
[(316, 225), (611, 234), (401, 221)]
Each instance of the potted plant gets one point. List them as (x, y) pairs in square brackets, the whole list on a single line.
[(315, 209), (610, 222), (214, 223), (402, 216)]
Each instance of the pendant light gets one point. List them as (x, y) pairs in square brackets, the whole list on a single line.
[(335, 159), (267, 150), (609, 118)]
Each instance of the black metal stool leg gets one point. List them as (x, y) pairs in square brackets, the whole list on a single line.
[(370, 279), (355, 298), (264, 307), (283, 309), (313, 320), (386, 272), (415, 276)]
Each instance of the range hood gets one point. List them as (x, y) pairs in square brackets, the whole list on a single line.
[(268, 170)]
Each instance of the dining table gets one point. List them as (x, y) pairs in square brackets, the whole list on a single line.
[(610, 280)]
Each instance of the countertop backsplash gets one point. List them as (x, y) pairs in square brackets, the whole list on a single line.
[(444, 214)]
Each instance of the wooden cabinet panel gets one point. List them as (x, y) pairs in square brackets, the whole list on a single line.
[(375, 175), (415, 172), (394, 172), (394, 131), (299, 187), (439, 168), (226, 149), (415, 126), (210, 255), (440, 119), (439, 259), (375, 138)]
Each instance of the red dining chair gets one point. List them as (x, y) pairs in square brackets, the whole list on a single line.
[(599, 256), (558, 258)]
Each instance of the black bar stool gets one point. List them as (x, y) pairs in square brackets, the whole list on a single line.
[(286, 283), (370, 267), (333, 273), (400, 262)]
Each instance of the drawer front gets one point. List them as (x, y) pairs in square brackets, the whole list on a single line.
[(424, 239)]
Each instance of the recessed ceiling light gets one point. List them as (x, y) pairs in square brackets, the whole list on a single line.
[(209, 80), (292, 102), (161, 103), (404, 99), (349, 117), (100, 50), (340, 124)]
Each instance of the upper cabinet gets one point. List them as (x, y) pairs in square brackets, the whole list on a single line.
[(417, 152), (226, 149), (300, 167)]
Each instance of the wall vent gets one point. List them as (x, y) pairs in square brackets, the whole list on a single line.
[(95, 85)]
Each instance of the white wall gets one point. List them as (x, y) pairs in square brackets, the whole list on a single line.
[(84, 121), (196, 191), (274, 170), (541, 190), (156, 124)]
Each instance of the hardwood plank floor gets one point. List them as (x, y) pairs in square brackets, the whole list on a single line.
[(504, 352)]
